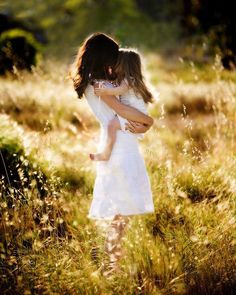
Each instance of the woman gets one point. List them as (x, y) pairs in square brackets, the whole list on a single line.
[(122, 186)]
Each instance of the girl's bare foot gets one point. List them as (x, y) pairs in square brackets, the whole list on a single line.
[(111, 269), (99, 157)]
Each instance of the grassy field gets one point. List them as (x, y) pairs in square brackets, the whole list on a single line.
[(46, 134)]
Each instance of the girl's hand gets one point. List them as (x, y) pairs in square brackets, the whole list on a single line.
[(136, 127), (100, 91)]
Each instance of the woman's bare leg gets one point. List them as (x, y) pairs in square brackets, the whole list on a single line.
[(113, 126), (113, 241)]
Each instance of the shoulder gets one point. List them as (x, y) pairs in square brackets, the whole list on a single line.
[(88, 90), (125, 81)]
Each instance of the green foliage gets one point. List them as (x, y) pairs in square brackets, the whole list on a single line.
[(66, 22), (15, 33), (10, 136), (27, 196), (18, 169), (13, 55)]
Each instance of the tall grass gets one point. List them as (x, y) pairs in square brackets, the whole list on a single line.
[(47, 242)]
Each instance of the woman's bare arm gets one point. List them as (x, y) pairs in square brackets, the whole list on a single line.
[(126, 111), (137, 127)]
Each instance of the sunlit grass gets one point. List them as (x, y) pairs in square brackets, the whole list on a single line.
[(186, 247), (178, 69)]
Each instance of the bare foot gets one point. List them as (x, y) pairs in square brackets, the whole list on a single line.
[(111, 269), (99, 157)]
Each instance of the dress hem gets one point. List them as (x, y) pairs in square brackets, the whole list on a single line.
[(111, 217)]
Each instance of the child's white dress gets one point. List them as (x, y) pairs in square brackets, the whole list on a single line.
[(122, 185), (130, 98)]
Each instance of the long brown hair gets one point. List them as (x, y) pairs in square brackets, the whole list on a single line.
[(93, 59), (129, 67)]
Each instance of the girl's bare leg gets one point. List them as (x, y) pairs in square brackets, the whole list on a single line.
[(113, 241), (113, 126)]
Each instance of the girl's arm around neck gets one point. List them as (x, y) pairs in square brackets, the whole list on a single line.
[(119, 90)]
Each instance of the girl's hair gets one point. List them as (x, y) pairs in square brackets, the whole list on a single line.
[(129, 67), (93, 59)]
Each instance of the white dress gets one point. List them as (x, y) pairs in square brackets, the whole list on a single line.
[(122, 185), (132, 99)]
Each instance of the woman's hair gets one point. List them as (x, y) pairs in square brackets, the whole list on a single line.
[(94, 57), (129, 67)]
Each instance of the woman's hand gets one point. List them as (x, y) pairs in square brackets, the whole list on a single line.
[(101, 91), (136, 127)]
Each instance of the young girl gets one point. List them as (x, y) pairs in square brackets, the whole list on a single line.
[(131, 91)]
